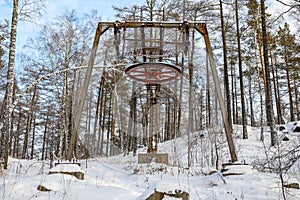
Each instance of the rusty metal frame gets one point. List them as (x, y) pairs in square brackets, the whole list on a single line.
[(104, 26), (153, 72)]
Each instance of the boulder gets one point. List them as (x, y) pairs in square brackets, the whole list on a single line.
[(68, 168), (296, 129), (285, 138), (281, 128), (153, 157), (43, 189), (176, 194)]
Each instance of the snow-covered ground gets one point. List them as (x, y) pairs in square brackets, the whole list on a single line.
[(120, 177)]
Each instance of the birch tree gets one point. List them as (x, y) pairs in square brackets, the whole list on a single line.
[(2, 38), (6, 121), (27, 7)]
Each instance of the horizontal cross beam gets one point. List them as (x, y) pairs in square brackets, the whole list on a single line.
[(200, 26)]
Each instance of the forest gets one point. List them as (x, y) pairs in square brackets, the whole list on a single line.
[(256, 52)]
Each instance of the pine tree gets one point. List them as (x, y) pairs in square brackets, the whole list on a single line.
[(226, 77), (287, 51), (244, 116), (269, 102)]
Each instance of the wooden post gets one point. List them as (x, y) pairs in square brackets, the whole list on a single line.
[(201, 28), (84, 90)]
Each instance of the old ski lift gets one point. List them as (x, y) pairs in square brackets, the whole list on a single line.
[(152, 67)]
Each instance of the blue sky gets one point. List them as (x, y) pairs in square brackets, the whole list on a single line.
[(104, 7), (57, 7)]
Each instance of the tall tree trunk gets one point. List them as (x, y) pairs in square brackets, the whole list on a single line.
[(233, 94), (65, 132), (252, 121), (269, 101), (45, 135), (29, 122), (96, 123), (262, 138), (101, 120), (104, 99), (108, 113), (237, 119), (191, 111), (26, 137), (276, 94), (33, 139), (278, 101), (134, 128), (226, 81), (208, 98), (295, 78), (12, 124), (7, 120), (244, 116), (88, 125), (287, 70), (17, 134)]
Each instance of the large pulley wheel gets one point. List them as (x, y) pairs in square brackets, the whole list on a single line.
[(153, 72)]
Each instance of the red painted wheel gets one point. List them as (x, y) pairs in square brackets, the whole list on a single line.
[(153, 72)]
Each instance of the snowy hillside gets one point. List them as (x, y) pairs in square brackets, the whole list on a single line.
[(120, 177)]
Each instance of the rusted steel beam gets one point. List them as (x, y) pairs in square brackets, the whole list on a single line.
[(158, 24)]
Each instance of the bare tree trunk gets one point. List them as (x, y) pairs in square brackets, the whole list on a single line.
[(262, 137), (233, 93), (109, 116), (208, 98), (17, 134), (96, 122), (26, 137), (65, 132), (261, 55), (28, 123), (244, 116), (134, 131), (278, 100), (269, 102), (33, 139), (295, 77), (237, 119), (287, 70), (101, 120), (252, 121), (12, 124), (226, 81), (89, 121), (275, 89), (45, 136), (201, 99), (7, 120)]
